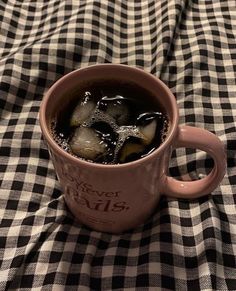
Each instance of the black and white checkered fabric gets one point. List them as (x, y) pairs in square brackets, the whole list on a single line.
[(185, 245)]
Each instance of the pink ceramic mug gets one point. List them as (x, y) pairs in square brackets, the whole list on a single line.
[(115, 198)]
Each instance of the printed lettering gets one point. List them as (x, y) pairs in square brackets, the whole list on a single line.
[(120, 206), (98, 204), (106, 208)]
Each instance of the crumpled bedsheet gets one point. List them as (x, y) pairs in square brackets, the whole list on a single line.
[(185, 245)]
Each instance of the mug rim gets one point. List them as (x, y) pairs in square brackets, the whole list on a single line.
[(75, 160)]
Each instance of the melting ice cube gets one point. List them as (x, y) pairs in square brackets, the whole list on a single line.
[(129, 143), (147, 124), (116, 107), (83, 110), (87, 144), (109, 137), (130, 150), (148, 131)]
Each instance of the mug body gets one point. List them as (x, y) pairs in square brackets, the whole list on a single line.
[(110, 198)]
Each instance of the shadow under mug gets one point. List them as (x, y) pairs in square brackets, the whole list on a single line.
[(116, 198)]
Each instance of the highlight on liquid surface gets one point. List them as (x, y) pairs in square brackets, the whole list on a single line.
[(110, 123)]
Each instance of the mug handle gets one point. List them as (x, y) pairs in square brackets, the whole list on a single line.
[(192, 137)]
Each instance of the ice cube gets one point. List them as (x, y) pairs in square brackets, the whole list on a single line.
[(83, 110), (87, 144), (116, 107), (129, 143), (109, 137), (130, 150), (147, 125), (148, 131)]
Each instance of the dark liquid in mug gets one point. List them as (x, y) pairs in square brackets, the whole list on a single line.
[(110, 123)]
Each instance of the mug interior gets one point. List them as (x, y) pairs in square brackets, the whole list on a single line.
[(60, 95)]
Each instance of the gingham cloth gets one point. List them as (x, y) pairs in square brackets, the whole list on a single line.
[(185, 245)]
